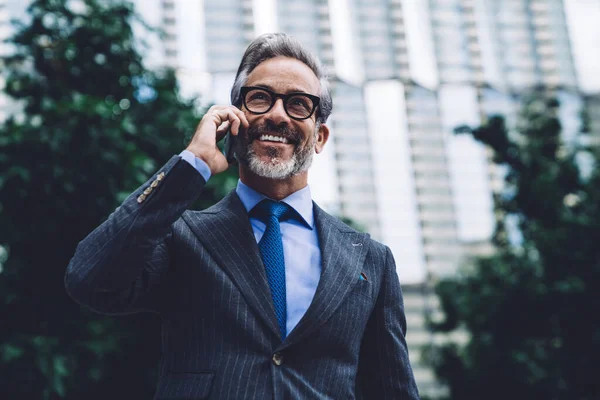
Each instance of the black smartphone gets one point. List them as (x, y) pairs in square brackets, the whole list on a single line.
[(229, 147)]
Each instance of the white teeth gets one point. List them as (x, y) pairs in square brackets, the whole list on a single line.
[(272, 138)]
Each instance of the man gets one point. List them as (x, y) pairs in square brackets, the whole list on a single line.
[(264, 295)]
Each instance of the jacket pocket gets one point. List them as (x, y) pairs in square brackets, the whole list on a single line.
[(364, 288), (184, 386)]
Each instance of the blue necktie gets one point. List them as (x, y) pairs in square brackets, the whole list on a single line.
[(271, 250)]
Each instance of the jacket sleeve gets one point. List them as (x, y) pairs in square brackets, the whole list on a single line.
[(121, 266), (384, 370)]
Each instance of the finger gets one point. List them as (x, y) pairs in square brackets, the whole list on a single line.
[(222, 115), (235, 126), (240, 114), (223, 127), (220, 111)]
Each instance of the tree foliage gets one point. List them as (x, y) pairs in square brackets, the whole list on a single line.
[(91, 124), (531, 310)]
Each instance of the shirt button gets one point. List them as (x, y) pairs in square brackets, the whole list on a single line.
[(277, 359)]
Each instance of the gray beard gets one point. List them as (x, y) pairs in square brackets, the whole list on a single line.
[(276, 168)]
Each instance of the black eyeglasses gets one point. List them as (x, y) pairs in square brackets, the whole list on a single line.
[(297, 105)]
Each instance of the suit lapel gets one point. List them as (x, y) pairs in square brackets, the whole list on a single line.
[(343, 253), (226, 233)]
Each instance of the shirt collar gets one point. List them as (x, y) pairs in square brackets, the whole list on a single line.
[(300, 201)]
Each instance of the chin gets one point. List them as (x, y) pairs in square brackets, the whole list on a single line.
[(273, 169)]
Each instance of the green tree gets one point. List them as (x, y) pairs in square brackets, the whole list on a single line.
[(92, 123), (531, 310)]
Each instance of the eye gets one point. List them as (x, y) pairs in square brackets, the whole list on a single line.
[(299, 102), (258, 100), (258, 95)]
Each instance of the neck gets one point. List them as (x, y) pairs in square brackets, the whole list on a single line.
[(276, 189)]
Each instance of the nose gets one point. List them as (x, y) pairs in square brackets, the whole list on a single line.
[(277, 114)]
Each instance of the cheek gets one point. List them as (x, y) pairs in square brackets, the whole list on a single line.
[(253, 121), (252, 118), (308, 133)]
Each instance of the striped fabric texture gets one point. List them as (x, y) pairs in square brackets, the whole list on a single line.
[(202, 272)]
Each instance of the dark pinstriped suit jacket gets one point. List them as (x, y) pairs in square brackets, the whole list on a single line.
[(203, 273)]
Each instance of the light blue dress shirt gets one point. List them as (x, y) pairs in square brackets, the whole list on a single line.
[(197, 163), (300, 243)]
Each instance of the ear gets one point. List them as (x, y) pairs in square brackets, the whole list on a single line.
[(322, 136)]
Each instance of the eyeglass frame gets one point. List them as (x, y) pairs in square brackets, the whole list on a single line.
[(315, 99)]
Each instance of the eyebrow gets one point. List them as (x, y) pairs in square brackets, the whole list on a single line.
[(294, 90)]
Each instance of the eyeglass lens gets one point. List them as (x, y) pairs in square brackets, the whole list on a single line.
[(260, 101)]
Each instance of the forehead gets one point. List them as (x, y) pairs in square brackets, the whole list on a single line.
[(284, 75)]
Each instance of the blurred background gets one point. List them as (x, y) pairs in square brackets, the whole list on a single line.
[(465, 135)]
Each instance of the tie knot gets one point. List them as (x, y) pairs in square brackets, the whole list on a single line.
[(268, 208)]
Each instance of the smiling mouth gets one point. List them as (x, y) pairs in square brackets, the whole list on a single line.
[(274, 139)]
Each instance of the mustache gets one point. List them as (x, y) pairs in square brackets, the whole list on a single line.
[(292, 135)]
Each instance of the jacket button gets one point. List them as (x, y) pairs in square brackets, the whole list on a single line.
[(277, 359)]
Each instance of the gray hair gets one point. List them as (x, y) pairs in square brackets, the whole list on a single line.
[(271, 45)]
